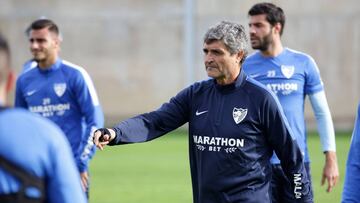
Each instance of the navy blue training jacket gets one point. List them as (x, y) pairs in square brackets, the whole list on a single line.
[(233, 130)]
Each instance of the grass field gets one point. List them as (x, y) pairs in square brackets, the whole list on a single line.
[(158, 171)]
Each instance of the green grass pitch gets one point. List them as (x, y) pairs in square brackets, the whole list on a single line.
[(158, 171)]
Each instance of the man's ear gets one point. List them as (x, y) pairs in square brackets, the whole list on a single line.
[(277, 27), (240, 55), (10, 81)]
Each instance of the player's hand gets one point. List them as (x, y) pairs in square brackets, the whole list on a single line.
[(84, 180), (103, 136), (331, 171)]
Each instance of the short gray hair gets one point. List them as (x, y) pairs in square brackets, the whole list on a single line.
[(232, 34)]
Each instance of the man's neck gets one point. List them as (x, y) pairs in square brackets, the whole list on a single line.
[(47, 63), (226, 80), (274, 49)]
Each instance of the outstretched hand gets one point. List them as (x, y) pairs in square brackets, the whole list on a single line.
[(102, 137)]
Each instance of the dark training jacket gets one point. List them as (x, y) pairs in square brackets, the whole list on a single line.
[(233, 130)]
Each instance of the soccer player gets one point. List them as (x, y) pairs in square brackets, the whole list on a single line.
[(234, 125), (291, 75), (36, 162), (352, 174), (62, 92)]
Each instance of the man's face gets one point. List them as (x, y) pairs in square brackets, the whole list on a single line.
[(261, 32), (219, 63), (44, 45)]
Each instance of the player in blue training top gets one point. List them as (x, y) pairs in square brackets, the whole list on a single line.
[(234, 125), (352, 175), (36, 162), (62, 92), (291, 75)]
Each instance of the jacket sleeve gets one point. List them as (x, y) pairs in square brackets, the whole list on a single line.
[(92, 114), (19, 96), (63, 180), (352, 178), (148, 126), (286, 148)]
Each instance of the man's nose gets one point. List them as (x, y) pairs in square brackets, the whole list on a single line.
[(252, 30), (208, 58), (34, 44)]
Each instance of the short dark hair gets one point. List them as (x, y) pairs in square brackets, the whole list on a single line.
[(274, 14), (4, 46), (4, 51), (43, 23)]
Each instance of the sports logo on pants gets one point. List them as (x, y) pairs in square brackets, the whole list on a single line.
[(239, 114)]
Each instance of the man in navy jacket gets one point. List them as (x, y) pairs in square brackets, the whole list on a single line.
[(234, 124)]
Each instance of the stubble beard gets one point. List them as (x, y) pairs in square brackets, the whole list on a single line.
[(264, 43)]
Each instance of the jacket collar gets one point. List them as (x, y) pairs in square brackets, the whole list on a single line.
[(233, 86)]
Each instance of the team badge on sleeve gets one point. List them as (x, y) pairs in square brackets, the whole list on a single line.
[(287, 71), (239, 114), (59, 89)]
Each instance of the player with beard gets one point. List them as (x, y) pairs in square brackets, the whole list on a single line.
[(291, 75)]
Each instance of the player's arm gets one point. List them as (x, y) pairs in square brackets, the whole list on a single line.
[(327, 138), (148, 126), (352, 175), (286, 148), (19, 95), (91, 110)]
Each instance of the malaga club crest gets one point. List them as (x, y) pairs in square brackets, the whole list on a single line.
[(59, 89), (239, 114), (287, 71)]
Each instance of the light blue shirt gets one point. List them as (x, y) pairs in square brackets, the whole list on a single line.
[(39, 147), (291, 76)]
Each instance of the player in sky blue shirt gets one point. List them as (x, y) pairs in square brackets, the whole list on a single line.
[(62, 92), (36, 147), (351, 191), (292, 76), (40, 148), (234, 125)]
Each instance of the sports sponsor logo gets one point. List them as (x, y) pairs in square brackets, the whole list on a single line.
[(29, 93), (297, 188), (47, 109), (239, 114), (59, 89), (287, 71), (197, 113), (255, 75), (217, 144), (284, 88)]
